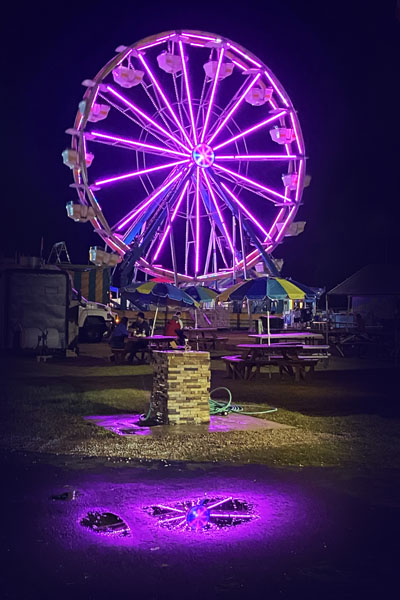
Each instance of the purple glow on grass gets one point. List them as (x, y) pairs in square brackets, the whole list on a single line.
[(172, 220), (152, 197), (232, 515), (146, 117), (234, 108), (276, 88), (173, 518), (248, 213), (254, 128), (214, 87), (189, 98), (251, 182), (254, 62), (142, 172), (170, 508), (197, 243), (200, 37), (220, 215), (163, 96), (138, 144), (258, 157), (220, 502)]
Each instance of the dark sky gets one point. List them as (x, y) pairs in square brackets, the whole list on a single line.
[(339, 62)]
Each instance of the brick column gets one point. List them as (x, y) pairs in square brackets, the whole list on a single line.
[(181, 387)]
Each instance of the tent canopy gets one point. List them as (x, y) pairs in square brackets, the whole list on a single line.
[(371, 280)]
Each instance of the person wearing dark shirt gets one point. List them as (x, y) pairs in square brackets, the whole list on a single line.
[(139, 328), (119, 334)]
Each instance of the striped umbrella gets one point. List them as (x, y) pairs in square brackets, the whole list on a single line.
[(153, 292), (201, 293), (274, 288)]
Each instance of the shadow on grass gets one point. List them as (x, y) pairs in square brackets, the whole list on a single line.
[(328, 394)]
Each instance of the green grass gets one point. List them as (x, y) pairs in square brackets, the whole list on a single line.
[(341, 417)]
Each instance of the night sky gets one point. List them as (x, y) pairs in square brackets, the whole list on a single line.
[(339, 62)]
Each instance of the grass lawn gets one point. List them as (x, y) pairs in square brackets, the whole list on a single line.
[(347, 415)]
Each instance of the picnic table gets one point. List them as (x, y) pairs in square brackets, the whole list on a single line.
[(155, 342), (206, 338), (292, 336), (292, 359)]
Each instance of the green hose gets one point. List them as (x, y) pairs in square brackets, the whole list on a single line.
[(223, 408)]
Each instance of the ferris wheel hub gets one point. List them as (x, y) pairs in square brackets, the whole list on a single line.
[(203, 156)]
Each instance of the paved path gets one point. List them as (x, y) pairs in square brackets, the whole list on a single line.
[(320, 533)]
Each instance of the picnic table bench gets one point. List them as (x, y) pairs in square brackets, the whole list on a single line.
[(296, 360)]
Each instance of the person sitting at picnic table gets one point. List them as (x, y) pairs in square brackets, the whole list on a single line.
[(117, 339), (139, 328), (175, 327)]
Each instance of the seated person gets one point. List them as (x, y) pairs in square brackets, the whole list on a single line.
[(175, 327), (117, 339), (140, 328)]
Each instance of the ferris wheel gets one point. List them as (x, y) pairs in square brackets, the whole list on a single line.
[(198, 169)]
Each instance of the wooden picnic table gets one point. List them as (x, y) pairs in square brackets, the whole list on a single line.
[(289, 336), (206, 338), (292, 359)]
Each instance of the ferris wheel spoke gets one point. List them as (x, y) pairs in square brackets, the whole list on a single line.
[(188, 94), (253, 183), (138, 173), (169, 226), (234, 108), (138, 111), (172, 178), (251, 129), (258, 157), (213, 90), (140, 122), (165, 99), (128, 144), (243, 208), (221, 218)]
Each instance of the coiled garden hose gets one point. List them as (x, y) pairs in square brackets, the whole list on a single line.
[(218, 407)]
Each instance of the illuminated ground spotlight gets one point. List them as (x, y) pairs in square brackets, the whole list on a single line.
[(203, 514)]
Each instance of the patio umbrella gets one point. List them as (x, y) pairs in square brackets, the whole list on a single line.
[(153, 292), (274, 288), (311, 292), (224, 296), (201, 293)]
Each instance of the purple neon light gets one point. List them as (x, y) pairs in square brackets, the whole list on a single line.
[(172, 220), (219, 214), (276, 88), (251, 129), (181, 516), (142, 114), (200, 37), (197, 243), (148, 201), (185, 74), (142, 172), (198, 45), (234, 108), (157, 43), (254, 183), (258, 157), (298, 141), (257, 64), (211, 102), (138, 144), (220, 502), (248, 213), (232, 515), (243, 67), (168, 105)]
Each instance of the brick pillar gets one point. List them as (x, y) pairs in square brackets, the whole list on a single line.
[(181, 387)]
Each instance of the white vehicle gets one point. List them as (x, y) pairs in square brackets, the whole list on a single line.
[(94, 319)]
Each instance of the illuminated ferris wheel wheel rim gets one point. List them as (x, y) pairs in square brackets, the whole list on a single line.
[(192, 156)]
